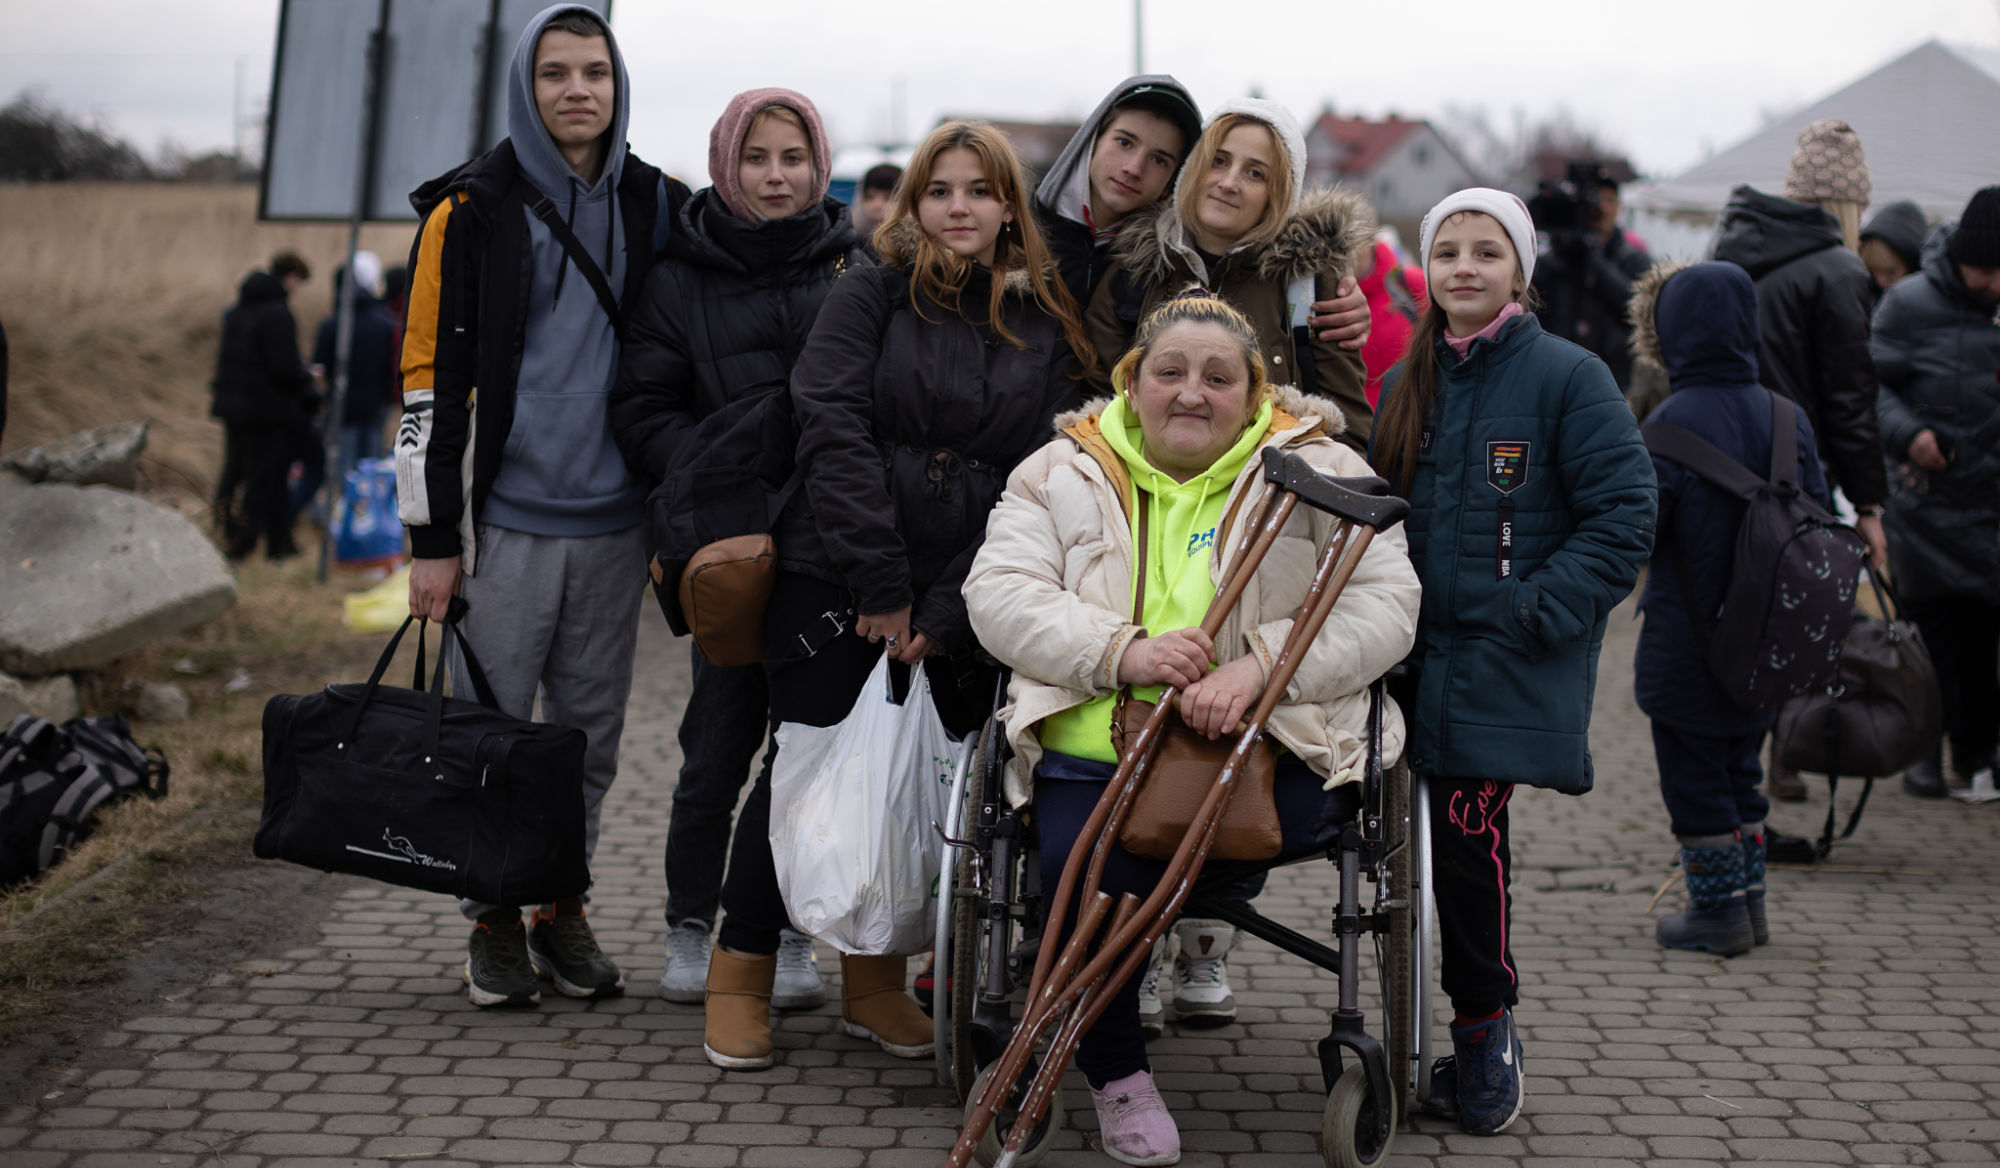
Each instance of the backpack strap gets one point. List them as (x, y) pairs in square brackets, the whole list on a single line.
[(1700, 456), (544, 208), (1784, 445)]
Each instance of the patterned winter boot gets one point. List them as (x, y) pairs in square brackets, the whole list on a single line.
[(1753, 880), (1717, 919)]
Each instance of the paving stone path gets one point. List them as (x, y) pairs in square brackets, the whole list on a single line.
[(1868, 1032)]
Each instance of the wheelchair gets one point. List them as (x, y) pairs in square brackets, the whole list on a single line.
[(989, 916)]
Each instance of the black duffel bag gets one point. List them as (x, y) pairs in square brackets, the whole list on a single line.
[(424, 791), (1880, 714)]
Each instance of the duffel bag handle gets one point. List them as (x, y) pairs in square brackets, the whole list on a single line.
[(434, 713)]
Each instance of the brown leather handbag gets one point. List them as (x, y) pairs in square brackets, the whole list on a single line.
[(724, 591), (1185, 768)]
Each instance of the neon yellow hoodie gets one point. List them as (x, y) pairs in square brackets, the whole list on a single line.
[(1181, 533)]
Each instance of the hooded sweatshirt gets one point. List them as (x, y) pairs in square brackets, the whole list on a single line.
[(1180, 540), (562, 474), (1081, 245), (1901, 225)]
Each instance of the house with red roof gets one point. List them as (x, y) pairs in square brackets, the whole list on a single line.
[(1402, 166)]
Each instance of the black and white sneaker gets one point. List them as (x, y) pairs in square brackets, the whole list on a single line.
[(497, 972), (565, 951)]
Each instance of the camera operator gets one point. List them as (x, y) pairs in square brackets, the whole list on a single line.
[(1584, 277)]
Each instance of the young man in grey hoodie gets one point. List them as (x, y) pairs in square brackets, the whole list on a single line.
[(517, 498)]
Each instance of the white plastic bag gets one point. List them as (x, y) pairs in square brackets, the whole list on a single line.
[(851, 812)]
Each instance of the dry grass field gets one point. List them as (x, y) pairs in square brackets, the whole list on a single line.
[(112, 296)]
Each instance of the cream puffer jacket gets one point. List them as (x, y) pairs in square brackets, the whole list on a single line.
[(1050, 593)]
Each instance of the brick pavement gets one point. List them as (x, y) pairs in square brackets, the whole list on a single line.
[(1868, 1032)]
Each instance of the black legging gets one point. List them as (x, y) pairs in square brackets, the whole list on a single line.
[(1963, 636), (819, 690)]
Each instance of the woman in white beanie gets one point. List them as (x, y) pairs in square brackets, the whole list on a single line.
[(1241, 224), (1532, 507)]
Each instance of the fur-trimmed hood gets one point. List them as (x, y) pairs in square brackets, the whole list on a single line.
[(1327, 235), (904, 235), (1698, 321)]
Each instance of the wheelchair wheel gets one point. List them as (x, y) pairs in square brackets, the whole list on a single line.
[(994, 1140), (1395, 952), (967, 931), (1348, 1126)]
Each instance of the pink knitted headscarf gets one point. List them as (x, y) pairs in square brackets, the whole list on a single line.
[(725, 145)]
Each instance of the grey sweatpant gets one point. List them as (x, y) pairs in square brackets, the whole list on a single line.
[(560, 614)]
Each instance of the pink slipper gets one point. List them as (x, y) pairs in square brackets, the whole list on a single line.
[(1134, 1124)]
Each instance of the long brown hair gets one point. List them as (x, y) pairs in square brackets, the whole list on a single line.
[(1278, 184), (1399, 424), (942, 274)]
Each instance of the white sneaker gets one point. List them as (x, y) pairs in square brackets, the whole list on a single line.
[(1152, 1014), (686, 977), (798, 985), (1202, 996)]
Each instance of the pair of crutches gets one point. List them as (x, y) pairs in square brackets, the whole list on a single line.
[(1073, 985)]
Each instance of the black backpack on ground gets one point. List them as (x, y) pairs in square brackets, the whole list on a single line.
[(1790, 597), (53, 779)]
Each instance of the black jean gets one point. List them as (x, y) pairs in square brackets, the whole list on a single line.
[(1471, 873), (727, 718), (1963, 636), (1710, 785), (819, 690), (1115, 1045), (260, 453)]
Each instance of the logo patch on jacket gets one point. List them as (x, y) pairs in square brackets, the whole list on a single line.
[(1506, 466)]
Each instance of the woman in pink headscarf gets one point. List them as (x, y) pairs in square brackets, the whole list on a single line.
[(723, 317)]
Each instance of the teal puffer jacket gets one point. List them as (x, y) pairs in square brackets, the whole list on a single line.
[(1507, 664)]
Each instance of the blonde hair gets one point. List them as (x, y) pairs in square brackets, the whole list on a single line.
[(1278, 182), (1848, 211), (1194, 306), (942, 273)]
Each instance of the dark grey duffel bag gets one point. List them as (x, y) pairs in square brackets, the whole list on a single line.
[(416, 789)]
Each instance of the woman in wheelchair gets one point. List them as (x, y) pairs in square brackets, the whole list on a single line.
[(1134, 506)]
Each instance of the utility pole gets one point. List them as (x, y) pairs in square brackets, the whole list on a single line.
[(1138, 36)]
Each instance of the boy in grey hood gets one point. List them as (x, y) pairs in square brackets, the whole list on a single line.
[(1124, 159), (516, 497)]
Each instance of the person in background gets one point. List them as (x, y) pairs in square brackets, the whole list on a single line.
[(1584, 282), (724, 316), (1814, 295), (1532, 504), (524, 505), (1892, 242), (878, 192), (1699, 323), (371, 368), (264, 396), (1937, 348), (1395, 294)]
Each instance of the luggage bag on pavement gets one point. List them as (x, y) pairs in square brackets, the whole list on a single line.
[(416, 789)]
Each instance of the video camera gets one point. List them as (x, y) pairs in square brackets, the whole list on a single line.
[(1568, 210)]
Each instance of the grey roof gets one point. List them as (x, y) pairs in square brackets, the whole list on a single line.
[(1929, 122)]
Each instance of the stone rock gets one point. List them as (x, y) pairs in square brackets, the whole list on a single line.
[(53, 698), (89, 574), (107, 454), (162, 702)]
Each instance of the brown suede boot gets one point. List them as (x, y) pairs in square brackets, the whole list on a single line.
[(737, 1031), (873, 1005)]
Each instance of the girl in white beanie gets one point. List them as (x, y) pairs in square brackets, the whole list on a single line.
[(1241, 224), (1532, 508)]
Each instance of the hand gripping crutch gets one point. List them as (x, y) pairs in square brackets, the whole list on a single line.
[(1077, 988)]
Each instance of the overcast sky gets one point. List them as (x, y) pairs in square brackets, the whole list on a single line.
[(1669, 82)]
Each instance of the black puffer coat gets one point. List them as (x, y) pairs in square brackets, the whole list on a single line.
[(1813, 300), (1938, 351), (722, 319), (909, 424), (259, 377)]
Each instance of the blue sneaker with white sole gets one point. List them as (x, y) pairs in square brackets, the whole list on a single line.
[(1486, 1068)]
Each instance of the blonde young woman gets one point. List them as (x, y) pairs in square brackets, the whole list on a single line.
[(1158, 481), (1242, 225), (924, 381)]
